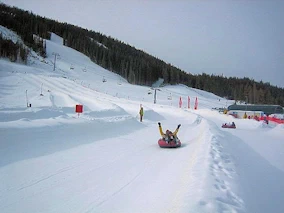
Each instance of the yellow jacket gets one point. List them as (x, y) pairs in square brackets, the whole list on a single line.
[(141, 112), (164, 135)]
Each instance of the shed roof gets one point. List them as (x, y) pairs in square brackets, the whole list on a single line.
[(267, 109)]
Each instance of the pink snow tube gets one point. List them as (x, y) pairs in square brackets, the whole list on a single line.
[(228, 126), (172, 144)]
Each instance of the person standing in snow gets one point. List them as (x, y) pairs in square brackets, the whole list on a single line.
[(141, 113), (168, 136)]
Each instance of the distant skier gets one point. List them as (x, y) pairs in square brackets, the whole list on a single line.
[(169, 136), (141, 113)]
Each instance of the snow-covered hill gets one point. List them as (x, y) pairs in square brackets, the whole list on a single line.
[(106, 160)]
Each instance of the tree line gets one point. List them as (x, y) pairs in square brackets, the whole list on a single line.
[(135, 65)]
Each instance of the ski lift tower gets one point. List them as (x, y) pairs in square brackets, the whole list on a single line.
[(156, 86), (56, 55), (155, 96)]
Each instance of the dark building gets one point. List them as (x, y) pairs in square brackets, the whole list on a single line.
[(267, 109)]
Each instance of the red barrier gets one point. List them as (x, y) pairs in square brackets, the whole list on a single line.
[(276, 120)]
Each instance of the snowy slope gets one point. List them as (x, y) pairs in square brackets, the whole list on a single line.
[(105, 160)]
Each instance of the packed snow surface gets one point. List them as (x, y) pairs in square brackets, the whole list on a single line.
[(53, 159)]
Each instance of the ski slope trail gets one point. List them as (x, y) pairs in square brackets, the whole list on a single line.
[(86, 150), (127, 164), (243, 150), (106, 160)]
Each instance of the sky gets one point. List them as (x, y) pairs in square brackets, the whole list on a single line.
[(242, 38), (105, 160)]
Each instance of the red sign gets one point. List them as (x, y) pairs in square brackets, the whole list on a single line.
[(79, 108)]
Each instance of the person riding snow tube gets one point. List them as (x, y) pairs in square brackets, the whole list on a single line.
[(169, 137)]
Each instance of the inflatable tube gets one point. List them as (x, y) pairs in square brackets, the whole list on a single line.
[(228, 126), (172, 144)]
